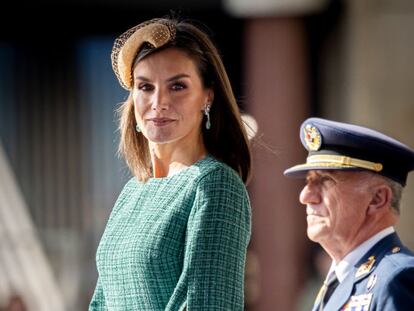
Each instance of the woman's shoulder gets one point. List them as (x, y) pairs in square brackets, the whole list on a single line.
[(216, 171), (129, 187)]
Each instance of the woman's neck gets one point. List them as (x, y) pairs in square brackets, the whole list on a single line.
[(168, 160)]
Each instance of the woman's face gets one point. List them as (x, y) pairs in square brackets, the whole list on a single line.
[(169, 98)]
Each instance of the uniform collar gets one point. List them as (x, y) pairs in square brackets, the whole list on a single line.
[(345, 266)]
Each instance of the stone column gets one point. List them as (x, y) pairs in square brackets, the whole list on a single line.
[(277, 97)]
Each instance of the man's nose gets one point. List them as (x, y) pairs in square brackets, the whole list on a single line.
[(310, 195)]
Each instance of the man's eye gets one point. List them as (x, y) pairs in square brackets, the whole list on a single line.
[(145, 87), (319, 180), (326, 179)]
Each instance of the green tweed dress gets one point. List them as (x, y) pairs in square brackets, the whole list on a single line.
[(176, 242)]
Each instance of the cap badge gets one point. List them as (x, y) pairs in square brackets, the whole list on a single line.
[(313, 138)]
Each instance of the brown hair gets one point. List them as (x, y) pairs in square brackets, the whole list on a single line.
[(226, 140)]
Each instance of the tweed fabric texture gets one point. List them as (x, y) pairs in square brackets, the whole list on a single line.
[(176, 242)]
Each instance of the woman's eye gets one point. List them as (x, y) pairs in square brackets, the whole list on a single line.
[(145, 87), (178, 86)]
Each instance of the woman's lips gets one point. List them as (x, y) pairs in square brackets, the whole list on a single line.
[(161, 121)]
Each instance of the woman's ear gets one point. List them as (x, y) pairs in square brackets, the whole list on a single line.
[(381, 199), (210, 95)]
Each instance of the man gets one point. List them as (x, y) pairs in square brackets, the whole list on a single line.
[(354, 180)]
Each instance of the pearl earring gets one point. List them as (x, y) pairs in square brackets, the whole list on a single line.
[(137, 128)]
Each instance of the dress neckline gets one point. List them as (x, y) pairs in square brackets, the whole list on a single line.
[(183, 171)]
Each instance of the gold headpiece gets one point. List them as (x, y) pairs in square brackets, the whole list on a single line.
[(156, 32)]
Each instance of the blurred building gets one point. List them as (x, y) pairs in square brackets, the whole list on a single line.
[(287, 60)]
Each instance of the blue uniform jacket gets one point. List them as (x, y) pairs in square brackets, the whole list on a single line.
[(382, 280)]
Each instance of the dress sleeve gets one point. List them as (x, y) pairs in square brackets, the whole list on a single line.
[(97, 302), (98, 299), (218, 233)]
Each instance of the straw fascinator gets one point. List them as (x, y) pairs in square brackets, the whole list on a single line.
[(156, 32)]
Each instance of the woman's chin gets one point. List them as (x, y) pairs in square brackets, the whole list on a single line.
[(160, 136), (161, 140)]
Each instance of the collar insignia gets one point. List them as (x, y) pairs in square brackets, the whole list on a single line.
[(365, 267), (395, 249), (312, 136)]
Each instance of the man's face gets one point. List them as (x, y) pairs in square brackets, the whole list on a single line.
[(336, 204)]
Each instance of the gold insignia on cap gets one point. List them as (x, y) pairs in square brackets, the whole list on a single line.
[(371, 282), (312, 137), (365, 267), (337, 161), (395, 249)]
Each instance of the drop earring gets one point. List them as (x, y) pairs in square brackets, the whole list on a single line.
[(207, 113), (137, 128)]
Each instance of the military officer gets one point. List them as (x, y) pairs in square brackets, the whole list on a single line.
[(354, 181)]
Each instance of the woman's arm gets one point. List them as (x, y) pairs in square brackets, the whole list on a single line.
[(218, 233), (98, 299)]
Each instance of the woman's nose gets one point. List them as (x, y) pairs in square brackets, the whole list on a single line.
[(160, 101)]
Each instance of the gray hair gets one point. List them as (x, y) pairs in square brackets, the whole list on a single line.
[(397, 190)]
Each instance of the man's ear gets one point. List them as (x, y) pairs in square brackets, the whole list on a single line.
[(381, 199)]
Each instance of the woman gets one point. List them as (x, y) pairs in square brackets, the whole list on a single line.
[(178, 233)]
